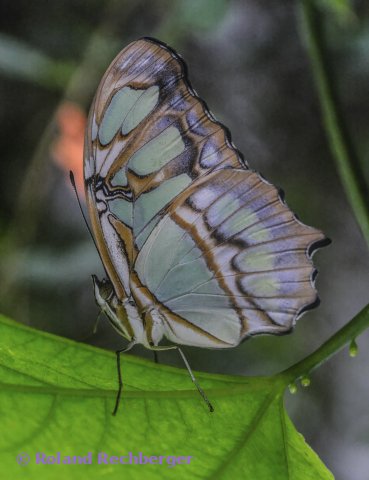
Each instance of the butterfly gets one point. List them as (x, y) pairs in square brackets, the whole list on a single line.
[(197, 247)]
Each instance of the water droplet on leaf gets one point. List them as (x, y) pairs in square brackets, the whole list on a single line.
[(292, 388), (305, 381), (353, 350)]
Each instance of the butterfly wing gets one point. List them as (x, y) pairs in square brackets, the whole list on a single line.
[(229, 260), (182, 225), (149, 137)]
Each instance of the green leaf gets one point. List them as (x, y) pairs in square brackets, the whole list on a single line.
[(201, 14), (342, 10), (57, 396), (187, 17), (22, 61)]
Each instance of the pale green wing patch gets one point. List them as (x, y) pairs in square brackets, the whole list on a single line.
[(157, 152), (120, 178), (127, 108), (152, 268), (123, 209), (141, 108), (149, 204)]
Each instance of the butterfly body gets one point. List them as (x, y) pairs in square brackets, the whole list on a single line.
[(197, 247)]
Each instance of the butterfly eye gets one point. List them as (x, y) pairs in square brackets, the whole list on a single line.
[(103, 288)]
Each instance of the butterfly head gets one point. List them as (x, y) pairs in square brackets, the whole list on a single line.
[(108, 301), (118, 311), (103, 290)]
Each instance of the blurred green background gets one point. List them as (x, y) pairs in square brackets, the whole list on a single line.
[(248, 59)]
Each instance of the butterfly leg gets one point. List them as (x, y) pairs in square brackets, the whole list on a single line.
[(156, 359), (94, 330), (193, 378), (120, 383)]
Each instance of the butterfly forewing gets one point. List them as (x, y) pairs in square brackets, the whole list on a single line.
[(183, 227), (149, 136)]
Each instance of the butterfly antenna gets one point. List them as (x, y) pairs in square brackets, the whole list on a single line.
[(72, 181)]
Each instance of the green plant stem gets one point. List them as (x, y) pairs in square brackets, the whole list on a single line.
[(344, 336), (341, 146)]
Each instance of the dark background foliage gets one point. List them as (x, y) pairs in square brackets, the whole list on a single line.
[(247, 58)]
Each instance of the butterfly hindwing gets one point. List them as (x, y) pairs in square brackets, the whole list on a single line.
[(230, 258)]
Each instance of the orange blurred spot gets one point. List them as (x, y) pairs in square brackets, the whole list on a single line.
[(67, 149)]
